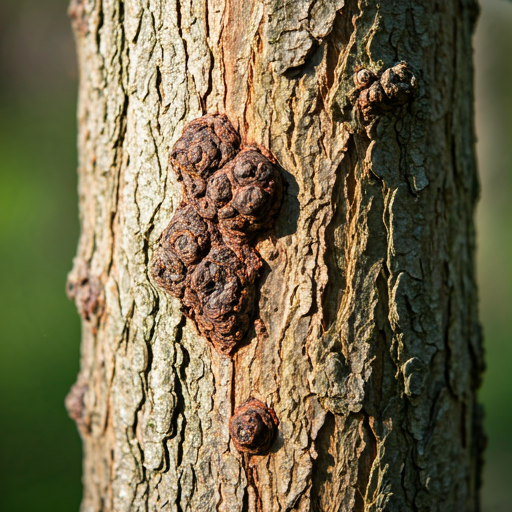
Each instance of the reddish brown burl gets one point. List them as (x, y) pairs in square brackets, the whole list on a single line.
[(394, 88), (206, 255), (87, 292), (253, 427), (75, 405)]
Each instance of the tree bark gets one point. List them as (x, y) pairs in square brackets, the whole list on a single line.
[(372, 353)]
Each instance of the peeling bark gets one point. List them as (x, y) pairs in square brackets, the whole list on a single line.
[(367, 346)]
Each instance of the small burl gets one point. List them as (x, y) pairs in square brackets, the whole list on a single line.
[(206, 255), (253, 427)]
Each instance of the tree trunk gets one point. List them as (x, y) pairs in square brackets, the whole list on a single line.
[(371, 350)]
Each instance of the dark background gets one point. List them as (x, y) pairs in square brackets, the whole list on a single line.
[(39, 328)]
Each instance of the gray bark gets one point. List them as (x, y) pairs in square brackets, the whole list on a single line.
[(372, 353)]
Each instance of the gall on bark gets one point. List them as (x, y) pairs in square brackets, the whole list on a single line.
[(205, 256), (396, 87), (253, 427)]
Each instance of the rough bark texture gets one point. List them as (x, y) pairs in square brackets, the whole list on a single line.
[(371, 353)]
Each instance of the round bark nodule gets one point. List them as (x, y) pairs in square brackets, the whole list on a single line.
[(364, 77), (253, 427)]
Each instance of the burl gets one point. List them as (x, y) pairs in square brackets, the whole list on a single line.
[(206, 255)]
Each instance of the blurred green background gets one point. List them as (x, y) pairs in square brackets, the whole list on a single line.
[(39, 349), (40, 452)]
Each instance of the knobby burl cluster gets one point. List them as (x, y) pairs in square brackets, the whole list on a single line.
[(205, 256), (396, 87)]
